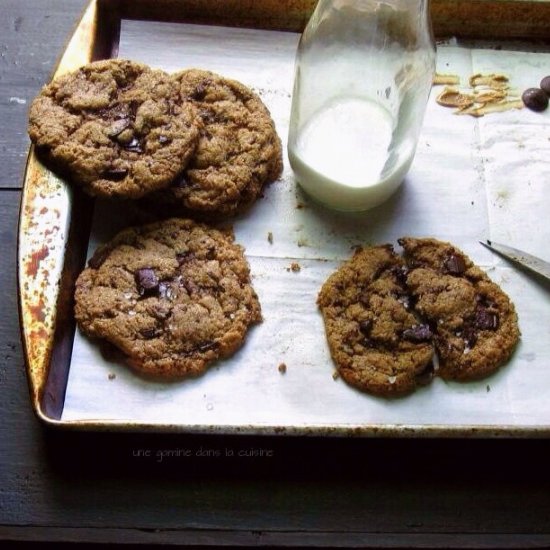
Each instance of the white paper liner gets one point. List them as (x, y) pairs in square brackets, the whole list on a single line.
[(472, 179)]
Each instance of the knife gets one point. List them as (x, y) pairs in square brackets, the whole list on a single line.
[(528, 261)]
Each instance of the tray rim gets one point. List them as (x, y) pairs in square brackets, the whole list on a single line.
[(38, 301)]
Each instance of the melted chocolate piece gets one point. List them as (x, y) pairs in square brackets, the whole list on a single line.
[(200, 91), (418, 333), (115, 174), (149, 333), (365, 327), (454, 265), (146, 280), (485, 319)]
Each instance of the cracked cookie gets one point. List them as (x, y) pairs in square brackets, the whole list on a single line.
[(174, 296), (376, 341), (239, 151), (115, 127), (474, 322)]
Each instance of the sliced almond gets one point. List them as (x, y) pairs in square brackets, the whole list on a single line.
[(449, 79), (452, 97), (493, 80), (487, 108), (489, 96)]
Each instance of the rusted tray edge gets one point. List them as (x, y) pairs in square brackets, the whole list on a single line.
[(47, 207), (44, 223)]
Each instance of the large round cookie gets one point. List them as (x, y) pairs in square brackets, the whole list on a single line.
[(375, 340), (239, 151), (115, 127), (173, 296), (474, 322)]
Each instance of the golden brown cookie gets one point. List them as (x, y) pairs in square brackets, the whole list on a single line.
[(239, 151), (474, 322), (115, 127), (376, 341), (174, 296)]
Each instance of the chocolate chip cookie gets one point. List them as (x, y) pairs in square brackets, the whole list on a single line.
[(174, 296), (377, 342), (239, 151), (115, 127), (474, 322)]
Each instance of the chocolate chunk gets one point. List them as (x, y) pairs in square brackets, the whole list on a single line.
[(545, 85), (149, 333), (146, 280), (454, 265), (535, 99), (365, 327), (485, 319), (115, 174), (400, 274), (418, 333), (200, 92)]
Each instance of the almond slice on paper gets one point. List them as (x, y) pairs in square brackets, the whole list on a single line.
[(452, 97)]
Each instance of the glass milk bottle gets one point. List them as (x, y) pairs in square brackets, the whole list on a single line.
[(364, 69)]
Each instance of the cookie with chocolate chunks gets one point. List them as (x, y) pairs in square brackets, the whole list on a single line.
[(115, 127), (238, 154), (173, 296), (376, 340), (474, 322)]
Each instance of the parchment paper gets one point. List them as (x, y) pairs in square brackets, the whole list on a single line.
[(471, 179)]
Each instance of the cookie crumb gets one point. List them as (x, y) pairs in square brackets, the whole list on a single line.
[(335, 375), (282, 368), (294, 267), (270, 237), (488, 388), (300, 206), (112, 376)]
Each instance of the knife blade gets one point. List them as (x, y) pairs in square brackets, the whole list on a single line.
[(528, 261)]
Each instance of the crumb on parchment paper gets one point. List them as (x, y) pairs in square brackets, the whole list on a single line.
[(270, 237), (294, 267), (282, 368)]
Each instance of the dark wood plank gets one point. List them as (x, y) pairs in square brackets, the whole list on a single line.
[(32, 36)]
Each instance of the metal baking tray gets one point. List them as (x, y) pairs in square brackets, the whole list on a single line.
[(56, 231)]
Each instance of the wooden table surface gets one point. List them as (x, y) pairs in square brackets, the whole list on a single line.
[(98, 487)]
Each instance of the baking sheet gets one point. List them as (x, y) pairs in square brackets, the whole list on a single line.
[(471, 179)]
